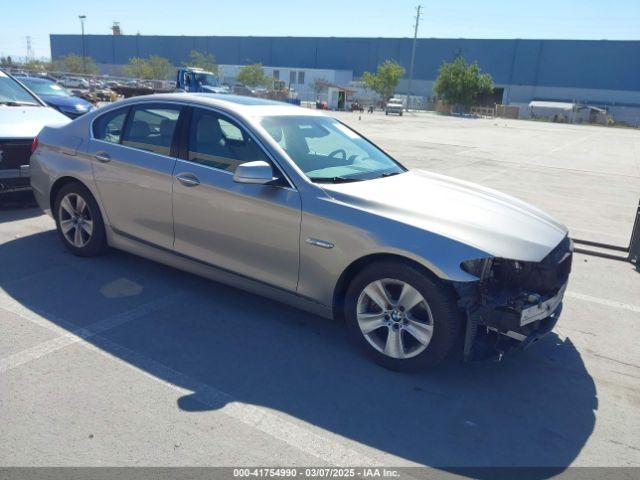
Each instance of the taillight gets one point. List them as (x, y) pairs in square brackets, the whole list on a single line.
[(34, 144)]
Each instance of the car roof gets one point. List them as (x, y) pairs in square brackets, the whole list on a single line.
[(249, 106)]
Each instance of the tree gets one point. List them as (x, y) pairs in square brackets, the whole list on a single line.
[(460, 83), (37, 65), (135, 67), (205, 61), (73, 63), (152, 68), (253, 76), (6, 61), (159, 68), (320, 85), (385, 80)]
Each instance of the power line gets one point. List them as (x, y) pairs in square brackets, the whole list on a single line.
[(413, 51)]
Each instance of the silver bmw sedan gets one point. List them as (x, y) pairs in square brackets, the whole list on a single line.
[(292, 204)]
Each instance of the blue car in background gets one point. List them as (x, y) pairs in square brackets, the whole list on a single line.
[(56, 96)]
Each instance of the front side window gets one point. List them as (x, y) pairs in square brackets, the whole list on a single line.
[(12, 93), (218, 142), (328, 151), (152, 128), (206, 79), (108, 127)]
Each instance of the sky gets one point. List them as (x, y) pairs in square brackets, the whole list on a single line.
[(557, 19)]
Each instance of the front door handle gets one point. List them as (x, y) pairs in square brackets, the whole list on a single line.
[(102, 157), (188, 179)]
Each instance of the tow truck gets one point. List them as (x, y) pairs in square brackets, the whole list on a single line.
[(188, 79)]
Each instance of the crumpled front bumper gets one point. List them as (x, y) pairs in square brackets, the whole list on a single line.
[(521, 338), (509, 322)]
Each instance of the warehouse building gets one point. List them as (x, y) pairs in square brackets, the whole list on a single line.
[(589, 72)]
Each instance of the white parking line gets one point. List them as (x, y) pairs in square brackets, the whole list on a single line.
[(302, 437), (603, 301), (321, 446), (75, 334)]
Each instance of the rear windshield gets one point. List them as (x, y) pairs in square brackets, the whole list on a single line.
[(44, 87), (12, 93)]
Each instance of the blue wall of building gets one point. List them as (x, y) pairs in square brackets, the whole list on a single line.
[(613, 65)]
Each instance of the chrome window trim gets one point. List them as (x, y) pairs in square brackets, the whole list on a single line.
[(192, 104)]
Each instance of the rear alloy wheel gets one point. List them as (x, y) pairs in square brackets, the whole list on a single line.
[(79, 221), (402, 317), (76, 223)]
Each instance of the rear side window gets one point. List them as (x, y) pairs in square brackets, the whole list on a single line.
[(219, 143), (109, 126), (152, 128)]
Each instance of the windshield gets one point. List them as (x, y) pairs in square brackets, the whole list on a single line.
[(328, 151), (44, 87), (12, 93), (207, 79)]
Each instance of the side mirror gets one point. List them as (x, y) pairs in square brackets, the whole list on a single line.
[(259, 172)]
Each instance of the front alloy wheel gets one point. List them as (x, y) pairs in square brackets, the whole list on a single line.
[(395, 318), (401, 315)]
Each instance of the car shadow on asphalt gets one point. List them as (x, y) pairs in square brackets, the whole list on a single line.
[(18, 206), (534, 409)]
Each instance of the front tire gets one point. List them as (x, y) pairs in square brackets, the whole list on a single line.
[(401, 317), (79, 221)]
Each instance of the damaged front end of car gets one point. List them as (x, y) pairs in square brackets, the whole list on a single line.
[(514, 303)]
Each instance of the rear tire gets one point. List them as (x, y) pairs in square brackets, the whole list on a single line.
[(419, 329), (79, 221)]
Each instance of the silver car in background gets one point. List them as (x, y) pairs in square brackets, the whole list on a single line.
[(292, 204), (394, 105)]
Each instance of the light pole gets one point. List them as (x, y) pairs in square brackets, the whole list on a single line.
[(84, 53), (413, 53)]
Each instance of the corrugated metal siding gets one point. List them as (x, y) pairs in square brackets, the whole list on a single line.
[(612, 65)]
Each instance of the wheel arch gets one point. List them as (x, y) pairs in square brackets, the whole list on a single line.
[(349, 273), (59, 184)]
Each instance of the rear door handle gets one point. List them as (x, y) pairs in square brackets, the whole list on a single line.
[(102, 157), (188, 179)]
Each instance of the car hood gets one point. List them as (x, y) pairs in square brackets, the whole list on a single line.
[(26, 122), (66, 103), (498, 224)]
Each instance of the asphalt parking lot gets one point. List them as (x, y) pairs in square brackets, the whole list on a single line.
[(119, 361)]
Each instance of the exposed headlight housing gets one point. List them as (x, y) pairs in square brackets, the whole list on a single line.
[(479, 267)]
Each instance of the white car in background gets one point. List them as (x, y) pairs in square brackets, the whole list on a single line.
[(74, 82), (22, 116)]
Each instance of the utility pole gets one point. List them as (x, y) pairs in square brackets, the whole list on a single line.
[(84, 53), (413, 52), (30, 54)]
